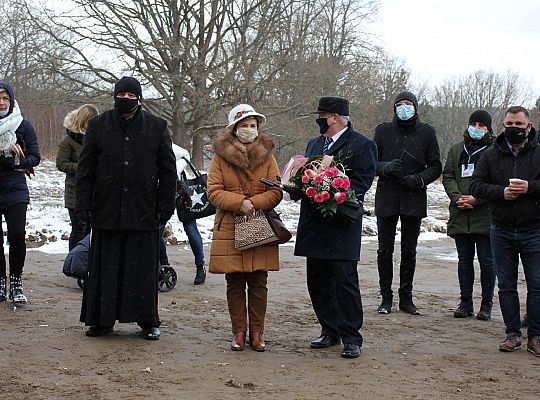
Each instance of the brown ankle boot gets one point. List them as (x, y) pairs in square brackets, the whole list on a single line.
[(256, 341), (239, 341)]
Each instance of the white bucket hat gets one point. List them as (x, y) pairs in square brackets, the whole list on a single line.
[(243, 111)]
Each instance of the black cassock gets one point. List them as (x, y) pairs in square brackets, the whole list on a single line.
[(122, 281)]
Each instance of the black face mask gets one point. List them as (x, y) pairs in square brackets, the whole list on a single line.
[(515, 135), (323, 125), (125, 105)]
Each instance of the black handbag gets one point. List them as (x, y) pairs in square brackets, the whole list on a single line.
[(194, 204)]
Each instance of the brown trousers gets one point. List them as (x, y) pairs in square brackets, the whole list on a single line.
[(236, 300)]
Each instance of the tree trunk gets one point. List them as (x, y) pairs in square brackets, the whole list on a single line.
[(198, 151)]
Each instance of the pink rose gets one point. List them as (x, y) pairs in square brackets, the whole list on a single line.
[(311, 192), (346, 184), (319, 198), (340, 197), (334, 171), (309, 172), (329, 172), (305, 179), (319, 179), (325, 194), (338, 183)]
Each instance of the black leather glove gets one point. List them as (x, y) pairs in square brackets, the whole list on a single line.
[(182, 189), (294, 193), (412, 182), (162, 217), (393, 168), (7, 163)]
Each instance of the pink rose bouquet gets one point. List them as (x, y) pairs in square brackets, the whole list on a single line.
[(322, 180)]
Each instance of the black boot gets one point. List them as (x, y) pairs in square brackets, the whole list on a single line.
[(386, 303), (406, 305), (3, 290), (465, 308), (200, 276), (16, 290), (485, 310)]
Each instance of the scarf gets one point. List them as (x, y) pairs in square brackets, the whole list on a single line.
[(8, 126)]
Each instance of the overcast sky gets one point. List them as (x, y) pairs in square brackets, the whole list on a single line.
[(439, 38)]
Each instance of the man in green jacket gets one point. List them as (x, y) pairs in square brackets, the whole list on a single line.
[(469, 217)]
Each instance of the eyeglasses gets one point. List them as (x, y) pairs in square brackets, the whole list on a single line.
[(127, 95)]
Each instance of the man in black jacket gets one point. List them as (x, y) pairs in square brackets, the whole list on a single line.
[(332, 248), (508, 176), (408, 160), (126, 180)]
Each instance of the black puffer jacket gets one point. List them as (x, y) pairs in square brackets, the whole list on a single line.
[(492, 174), (417, 142)]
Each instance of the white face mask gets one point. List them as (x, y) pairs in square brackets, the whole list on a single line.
[(4, 113), (247, 135)]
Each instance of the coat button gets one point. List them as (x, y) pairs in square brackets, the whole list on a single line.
[(125, 189), (127, 138), (126, 162)]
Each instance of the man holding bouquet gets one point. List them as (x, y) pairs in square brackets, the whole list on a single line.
[(332, 245)]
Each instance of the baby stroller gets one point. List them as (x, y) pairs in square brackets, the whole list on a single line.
[(76, 266)]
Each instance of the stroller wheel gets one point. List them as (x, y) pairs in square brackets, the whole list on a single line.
[(80, 282), (166, 278)]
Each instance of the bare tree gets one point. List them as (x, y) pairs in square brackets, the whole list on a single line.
[(456, 98), (199, 57)]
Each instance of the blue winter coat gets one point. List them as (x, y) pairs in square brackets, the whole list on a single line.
[(13, 188), (76, 262), (318, 237)]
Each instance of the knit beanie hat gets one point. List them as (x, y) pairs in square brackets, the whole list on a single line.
[(405, 95), (481, 116), (128, 84)]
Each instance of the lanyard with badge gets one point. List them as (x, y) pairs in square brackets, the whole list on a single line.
[(468, 169)]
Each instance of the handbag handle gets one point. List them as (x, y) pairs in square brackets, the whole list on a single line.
[(246, 192), (193, 169)]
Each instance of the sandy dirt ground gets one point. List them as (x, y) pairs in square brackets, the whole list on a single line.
[(44, 353)]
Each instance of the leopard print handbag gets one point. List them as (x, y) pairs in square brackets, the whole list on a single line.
[(253, 230)]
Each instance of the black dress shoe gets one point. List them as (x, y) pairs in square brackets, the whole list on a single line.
[(350, 350), (151, 333), (323, 342), (96, 330)]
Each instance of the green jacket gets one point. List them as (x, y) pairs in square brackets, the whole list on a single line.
[(67, 159), (476, 220)]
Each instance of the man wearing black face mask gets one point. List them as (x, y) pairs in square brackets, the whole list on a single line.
[(126, 181), (333, 250), (508, 176)]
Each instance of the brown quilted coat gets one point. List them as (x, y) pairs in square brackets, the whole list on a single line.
[(253, 161)]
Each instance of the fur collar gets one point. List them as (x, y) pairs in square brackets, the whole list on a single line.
[(246, 157), (69, 122)]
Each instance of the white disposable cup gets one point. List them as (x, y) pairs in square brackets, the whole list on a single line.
[(514, 181)]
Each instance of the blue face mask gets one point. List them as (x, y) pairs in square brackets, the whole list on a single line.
[(475, 133), (405, 111)]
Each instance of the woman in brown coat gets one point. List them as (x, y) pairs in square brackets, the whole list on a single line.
[(242, 146)]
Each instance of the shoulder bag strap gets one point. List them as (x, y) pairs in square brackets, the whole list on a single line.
[(246, 192), (193, 169)]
